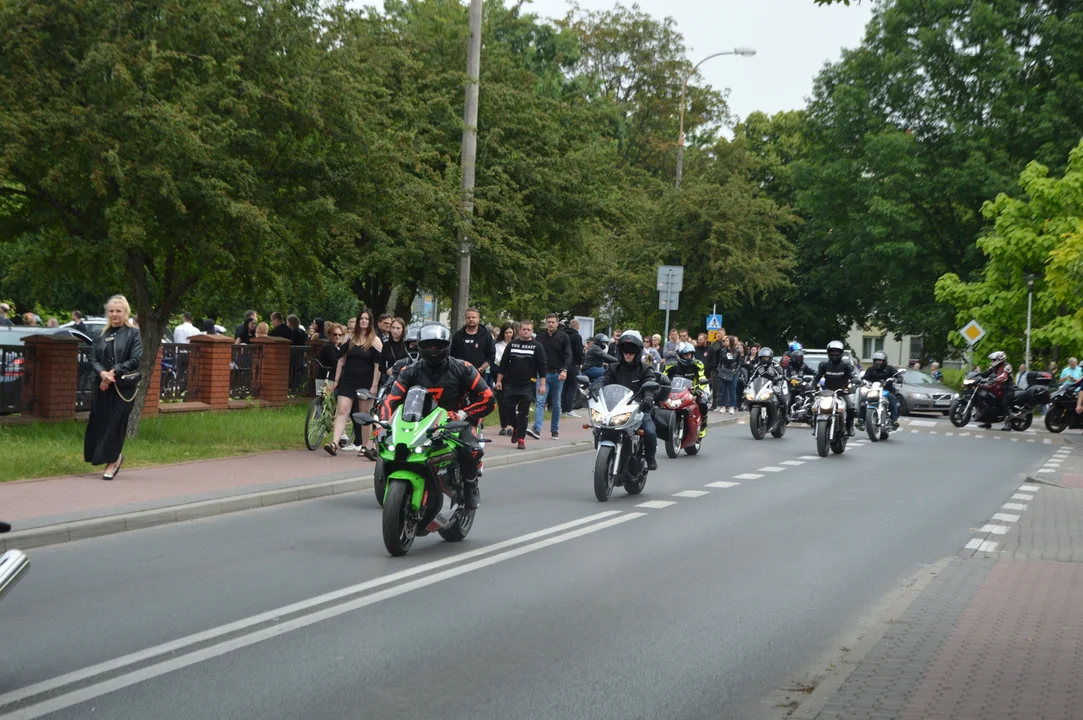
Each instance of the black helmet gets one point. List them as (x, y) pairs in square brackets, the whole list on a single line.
[(879, 357), (434, 344), (797, 357), (410, 338), (685, 353), (765, 356), (630, 341), (835, 351), (601, 339)]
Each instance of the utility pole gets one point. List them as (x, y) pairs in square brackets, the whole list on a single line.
[(1030, 300), (469, 154)]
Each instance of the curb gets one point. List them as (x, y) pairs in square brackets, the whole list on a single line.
[(110, 524)]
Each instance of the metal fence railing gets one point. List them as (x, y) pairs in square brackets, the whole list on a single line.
[(12, 376), (244, 371), (302, 372), (87, 379), (178, 365)]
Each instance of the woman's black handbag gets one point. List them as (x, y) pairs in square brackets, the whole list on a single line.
[(128, 382)]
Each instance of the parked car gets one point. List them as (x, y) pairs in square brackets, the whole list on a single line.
[(918, 391)]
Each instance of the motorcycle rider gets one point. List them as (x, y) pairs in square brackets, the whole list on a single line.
[(838, 374), (766, 367), (884, 374), (794, 372), (630, 372), (450, 382), (597, 357), (1000, 384), (687, 366)]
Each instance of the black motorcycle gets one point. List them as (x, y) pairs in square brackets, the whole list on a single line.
[(803, 397), (13, 565), (1061, 414), (977, 402)]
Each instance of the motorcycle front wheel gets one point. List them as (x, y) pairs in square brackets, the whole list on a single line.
[(959, 414), (757, 423), (603, 473), (398, 532), (821, 438), (379, 481), (1057, 420), (676, 436), (872, 424)]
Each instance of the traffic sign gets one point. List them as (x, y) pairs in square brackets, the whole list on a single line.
[(670, 277), (669, 301), (712, 335), (714, 322), (973, 332)]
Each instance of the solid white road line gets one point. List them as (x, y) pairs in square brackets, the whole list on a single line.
[(747, 476), (656, 504), (240, 625), (119, 682), (1029, 488), (1006, 517), (996, 529), (1014, 506), (771, 468), (792, 463), (722, 484), (691, 493)]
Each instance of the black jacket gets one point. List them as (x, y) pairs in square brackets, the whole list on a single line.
[(575, 340), (522, 363), (728, 363), (885, 374), (630, 376), (706, 355), (476, 349), (798, 371), (597, 357), (836, 377), (127, 350), (772, 371), (281, 331), (558, 351), (455, 385)]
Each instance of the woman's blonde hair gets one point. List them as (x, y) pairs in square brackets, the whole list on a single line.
[(123, 302), (262, 329), (364, 340)]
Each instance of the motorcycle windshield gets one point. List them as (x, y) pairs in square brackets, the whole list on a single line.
[(679, 384), (758, 383), (613, 395), (418, 404)]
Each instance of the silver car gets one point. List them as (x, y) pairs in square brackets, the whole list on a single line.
[(919, 392)]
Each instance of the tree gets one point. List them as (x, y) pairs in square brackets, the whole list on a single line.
[(1039, 233)]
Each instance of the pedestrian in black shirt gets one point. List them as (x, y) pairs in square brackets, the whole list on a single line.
[(474, 344), (558, 358), (246, 330), (521, 367), (575, 343), (280, 329)]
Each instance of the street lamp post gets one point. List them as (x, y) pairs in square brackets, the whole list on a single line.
[(742, 51), (1030, 298)]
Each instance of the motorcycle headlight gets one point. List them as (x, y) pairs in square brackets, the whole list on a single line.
[(620, 419), (955, 396), (765, 393), (749, 395), (673, 403), (597, 417), (968, 383), (868, 392), (827, 403)]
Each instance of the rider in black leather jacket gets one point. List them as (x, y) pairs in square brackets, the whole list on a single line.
[(838, 374), (884, 374), (630, 372)]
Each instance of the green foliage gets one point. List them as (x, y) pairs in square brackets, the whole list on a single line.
[(1039, 234)]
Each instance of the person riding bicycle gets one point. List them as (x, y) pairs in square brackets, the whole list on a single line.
[(884, 374), (838, 374), (455, 386), (630, 372), (688, 367), (999, 382)]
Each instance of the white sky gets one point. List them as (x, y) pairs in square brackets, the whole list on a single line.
[(793, 39)]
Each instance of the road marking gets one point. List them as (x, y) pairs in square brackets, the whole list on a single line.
[(809, 457), (747, 476), (1046, 470), (1031, 440), (922, 423), (949, 433), (932, 432), (691, 493), (1015, 439), (722, 484), (982, 545), (978, 437), (1022, 496), (1046, 441), (963, 434), (1014, 506), (996, 529), (1006, 517), (913, 432), (1029, 488), (771, 468), (89, 692), (997, 437), (792, 463), (656, 504)]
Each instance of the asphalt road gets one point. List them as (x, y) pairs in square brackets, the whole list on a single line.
[(556, 606)]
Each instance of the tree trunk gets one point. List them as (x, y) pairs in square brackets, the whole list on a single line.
[(150, 332)]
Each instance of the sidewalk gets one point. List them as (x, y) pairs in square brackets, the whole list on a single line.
[(998, 633)]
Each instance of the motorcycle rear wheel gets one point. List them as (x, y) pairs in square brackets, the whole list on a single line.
[(1023, 423), (958, 414), (603, 473), (872, 424), (1057, 420), (457, 531), (757, 423), (398, 535), (821, 439)]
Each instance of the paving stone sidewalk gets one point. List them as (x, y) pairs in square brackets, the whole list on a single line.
[(998, 633)]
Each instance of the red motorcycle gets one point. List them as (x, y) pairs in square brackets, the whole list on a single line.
[(678, 419)]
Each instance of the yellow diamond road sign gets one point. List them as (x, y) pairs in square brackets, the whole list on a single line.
[(973, 332)]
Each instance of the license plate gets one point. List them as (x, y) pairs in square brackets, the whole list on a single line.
[(943, 402)]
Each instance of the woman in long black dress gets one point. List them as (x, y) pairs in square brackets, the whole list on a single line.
[(359, 368), (395, 347), (116, 352)]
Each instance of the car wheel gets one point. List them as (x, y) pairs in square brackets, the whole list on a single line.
[(904, 409)]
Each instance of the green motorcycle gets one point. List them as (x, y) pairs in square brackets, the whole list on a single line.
[(422, 473)]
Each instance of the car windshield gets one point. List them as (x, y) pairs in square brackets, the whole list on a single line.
[(416, 404), (680, 383), (613, 395), (915, 377)]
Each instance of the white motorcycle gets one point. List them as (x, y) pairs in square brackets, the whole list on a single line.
[(616, 415), (13, 565), (876, 410)]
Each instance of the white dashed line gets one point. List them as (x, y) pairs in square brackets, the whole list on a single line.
[(978, 437), (1015, 439), (1014, 506), (747, 476), (997, 437), (1046, 470), (1006, 517), (809, 457), (792, 463), (1046, 441), (1022, 496), (922, 423), (1031, 440), (1029, 488), (996, 529), (656, 504), (691, 493), (949, 433), (722, 484), (932, 432), (913, 432), (771, 468), (982, 545), (964, 434)]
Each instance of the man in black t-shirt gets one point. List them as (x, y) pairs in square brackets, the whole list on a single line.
[(521, 367), (474, 344), (280, 329), (246, 330)]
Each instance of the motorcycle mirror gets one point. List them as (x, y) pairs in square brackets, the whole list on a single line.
[(650, 387), (4, 527), (363, 418), (365, 395)]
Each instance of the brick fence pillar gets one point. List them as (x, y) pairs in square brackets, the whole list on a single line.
[(154, 389), (274, 370), (210, 382), (51, 375)]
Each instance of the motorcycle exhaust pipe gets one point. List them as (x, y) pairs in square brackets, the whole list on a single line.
[(13, 564)]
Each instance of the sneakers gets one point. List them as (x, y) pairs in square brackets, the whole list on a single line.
[(730, 410), (860, 425), (514, 437), (351, 447), (894, 424), (850, 431), (556, 435), (504, 432), (521, 445), (572, 414), (652, 464), (534, 434)]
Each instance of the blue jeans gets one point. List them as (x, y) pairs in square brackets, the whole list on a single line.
[(728, 394), (650, 435), (893, 403), (555, 386), (594, 373)]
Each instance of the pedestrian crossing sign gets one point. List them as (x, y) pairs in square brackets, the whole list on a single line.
[(714, 322)]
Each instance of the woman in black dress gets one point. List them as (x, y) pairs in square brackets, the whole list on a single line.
[(359, 368), (395, 347), (116, 352)]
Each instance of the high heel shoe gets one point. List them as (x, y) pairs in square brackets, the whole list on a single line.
[(116, 470)]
